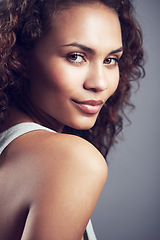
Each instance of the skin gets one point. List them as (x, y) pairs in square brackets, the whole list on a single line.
[(49, 189), (58, 76)]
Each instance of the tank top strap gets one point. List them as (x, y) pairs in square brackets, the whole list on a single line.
[(16, 131), (90, 231)]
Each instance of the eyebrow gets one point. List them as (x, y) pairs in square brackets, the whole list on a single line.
[(88, 49), (117, 50)]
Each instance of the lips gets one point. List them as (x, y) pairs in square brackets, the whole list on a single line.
[(90, 106)]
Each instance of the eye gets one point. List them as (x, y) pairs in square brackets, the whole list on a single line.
[(76, 58), (111, 61)]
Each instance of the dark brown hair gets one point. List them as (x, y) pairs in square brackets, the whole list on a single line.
[(23, 22)]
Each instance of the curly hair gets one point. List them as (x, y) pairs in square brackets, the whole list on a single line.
[(23, 22)]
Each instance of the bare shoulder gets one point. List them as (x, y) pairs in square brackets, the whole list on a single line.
[(70, 157), (56, 149), (66, 175), (80, 152)]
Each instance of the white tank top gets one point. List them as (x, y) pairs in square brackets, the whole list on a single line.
[(14, 132)]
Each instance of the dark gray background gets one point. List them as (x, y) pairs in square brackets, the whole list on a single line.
[(129, 207)]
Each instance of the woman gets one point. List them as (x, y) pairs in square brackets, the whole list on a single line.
[(66, 70)]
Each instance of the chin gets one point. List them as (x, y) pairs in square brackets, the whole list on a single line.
[(83, 126)]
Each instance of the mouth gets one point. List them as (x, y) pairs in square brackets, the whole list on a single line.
[(90, 106)]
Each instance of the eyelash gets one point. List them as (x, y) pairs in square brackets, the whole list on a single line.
[(70, 57), (116, 61)]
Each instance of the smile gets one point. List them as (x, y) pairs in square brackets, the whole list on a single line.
[(89, 107)]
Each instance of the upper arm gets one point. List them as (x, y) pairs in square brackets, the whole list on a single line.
[(73, 178)]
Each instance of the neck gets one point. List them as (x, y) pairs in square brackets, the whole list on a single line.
[(30, 114), (38, 116)]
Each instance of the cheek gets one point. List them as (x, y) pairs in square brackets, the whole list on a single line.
[(114, 81), (57, 79), (62, 77), (47, 74)]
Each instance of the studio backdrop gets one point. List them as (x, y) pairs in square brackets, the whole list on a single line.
[(129, 208)]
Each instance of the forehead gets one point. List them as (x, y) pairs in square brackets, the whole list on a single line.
[(89, 24)]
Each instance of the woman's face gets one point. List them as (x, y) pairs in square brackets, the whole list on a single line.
[(74, 68)]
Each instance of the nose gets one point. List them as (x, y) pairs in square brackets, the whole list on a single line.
[(96, 78)]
